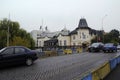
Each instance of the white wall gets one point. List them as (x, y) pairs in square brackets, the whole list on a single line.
[(62, 39), (41, 41), (79, 38), (69, 39)]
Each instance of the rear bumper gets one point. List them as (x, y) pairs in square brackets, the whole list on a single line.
[(109, 49), (92, 49)]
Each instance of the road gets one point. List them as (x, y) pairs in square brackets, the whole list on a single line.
[(67, 67)]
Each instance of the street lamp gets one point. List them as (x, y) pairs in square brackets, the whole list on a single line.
[(102, 25)]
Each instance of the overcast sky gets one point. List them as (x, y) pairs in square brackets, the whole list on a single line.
[(56, 14)]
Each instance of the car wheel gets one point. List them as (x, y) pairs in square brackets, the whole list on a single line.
[(113, 50), (29, 62)]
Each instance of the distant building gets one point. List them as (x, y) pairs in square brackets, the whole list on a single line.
[(80, 36), (34, 34), (61, 39), (40, 33)]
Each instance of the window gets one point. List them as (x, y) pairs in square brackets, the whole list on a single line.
[(39, 43), (8, 51), (84, 36), (80, 33), (73, 37), (53, 43), (80, 36), (2, 50), (60, 43), (19, 50), (74, 44), (64, 42)]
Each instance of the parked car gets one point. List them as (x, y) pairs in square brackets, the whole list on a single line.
[(60, 51), (17, 55), (118, 47), (95, 47), (110, 47), (67, 51)]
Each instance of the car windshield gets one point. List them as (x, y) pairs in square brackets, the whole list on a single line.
[(108, 45), (28, 49), (95, 44), (2, 49)]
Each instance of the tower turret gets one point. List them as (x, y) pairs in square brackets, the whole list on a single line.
[(82, 23)]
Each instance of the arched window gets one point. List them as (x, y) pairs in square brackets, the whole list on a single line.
[(73, 37)]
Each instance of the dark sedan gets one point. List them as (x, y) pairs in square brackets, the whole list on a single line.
[(17, 55), (110, 47), (95, 47)]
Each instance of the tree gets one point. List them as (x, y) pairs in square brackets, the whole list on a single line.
[(114, 34), (3, 38), (3, 33), (98, 38), (18, 41), (107, 38), (17, 36), (111, 37)]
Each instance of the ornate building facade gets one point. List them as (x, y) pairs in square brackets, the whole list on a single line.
[(80, 36)]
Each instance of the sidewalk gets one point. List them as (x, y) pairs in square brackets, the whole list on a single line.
[(115, 74)]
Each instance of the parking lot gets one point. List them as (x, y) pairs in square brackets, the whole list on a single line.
[(66, 67)]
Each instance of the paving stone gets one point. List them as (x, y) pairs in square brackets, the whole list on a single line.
[(68, 67)]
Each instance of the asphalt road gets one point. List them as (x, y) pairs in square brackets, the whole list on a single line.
[(67, 67)]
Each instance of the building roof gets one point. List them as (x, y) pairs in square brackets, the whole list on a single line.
[(93, 31), (73, 32), (83, 25), (63, 32), (47, 34)]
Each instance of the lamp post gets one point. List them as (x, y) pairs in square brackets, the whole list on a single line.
[(102, 25)]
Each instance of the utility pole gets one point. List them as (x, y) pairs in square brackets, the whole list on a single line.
[(8, 31)]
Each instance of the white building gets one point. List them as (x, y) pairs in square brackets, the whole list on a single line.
[(34, 34), (81, 35)]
